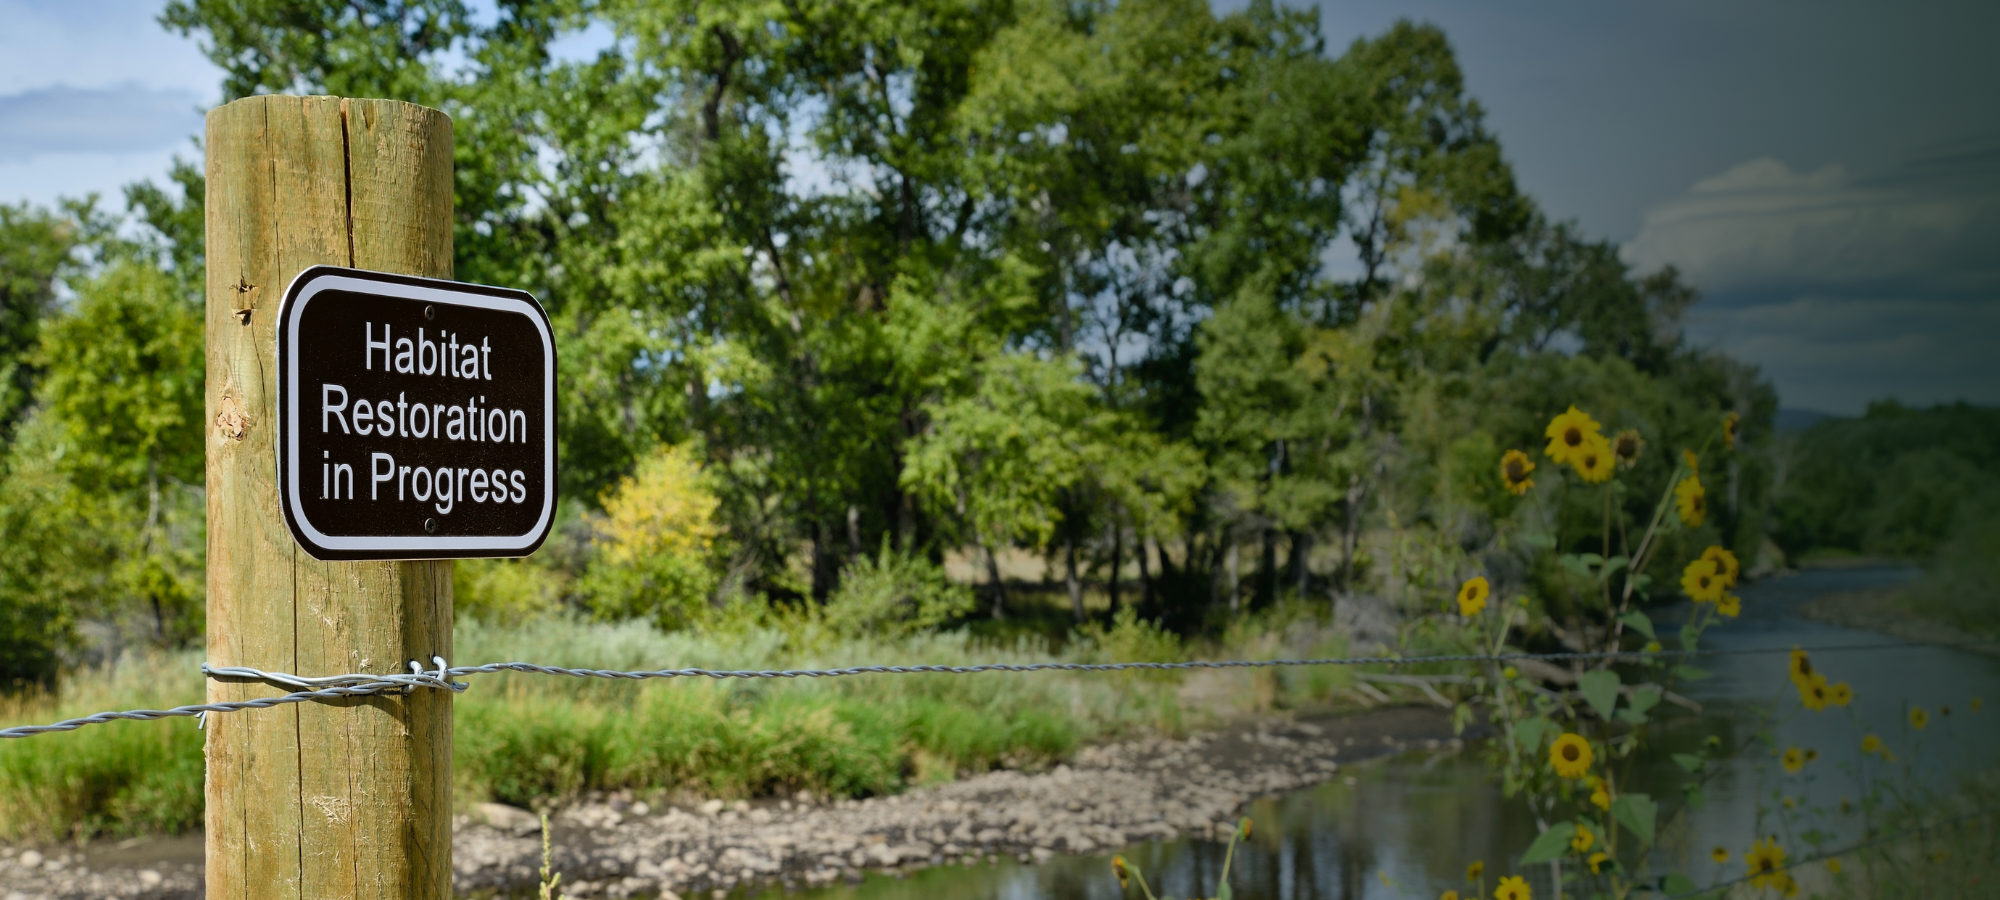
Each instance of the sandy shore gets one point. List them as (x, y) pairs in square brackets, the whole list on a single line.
[(613, 846)]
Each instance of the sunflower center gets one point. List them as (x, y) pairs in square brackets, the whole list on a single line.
[(1571, 753), (1573, 436), (1514, 472), (1704, 582)]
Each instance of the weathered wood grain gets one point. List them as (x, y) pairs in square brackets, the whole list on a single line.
[(333, 799)]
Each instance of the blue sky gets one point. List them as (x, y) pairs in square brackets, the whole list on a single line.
[(1828, 173)]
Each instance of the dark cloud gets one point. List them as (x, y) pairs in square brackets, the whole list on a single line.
[(1925, 227), (60, 120)]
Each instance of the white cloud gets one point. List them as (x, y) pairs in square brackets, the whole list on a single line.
[(61, 120), (1762, 224), (98, 43)]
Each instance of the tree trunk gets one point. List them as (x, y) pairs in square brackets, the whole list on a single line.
[(1117, 556), (1234, 583), (1145, 576), (993, 577), (1069, 578), (1301, 570)]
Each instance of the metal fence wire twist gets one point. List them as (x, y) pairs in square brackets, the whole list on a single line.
[(336, 687)]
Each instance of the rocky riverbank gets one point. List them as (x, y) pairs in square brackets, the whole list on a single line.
[(617, 847)]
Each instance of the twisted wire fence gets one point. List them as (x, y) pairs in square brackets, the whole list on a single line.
[(335, 687)]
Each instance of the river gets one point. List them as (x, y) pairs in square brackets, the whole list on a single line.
[(1406, 827)]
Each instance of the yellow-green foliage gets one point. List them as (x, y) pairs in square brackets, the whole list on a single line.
[(503, 590), (656, 541)]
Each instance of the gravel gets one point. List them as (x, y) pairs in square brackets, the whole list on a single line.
[(615, 846)]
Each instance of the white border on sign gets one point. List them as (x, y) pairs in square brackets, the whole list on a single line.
[(423, 544)]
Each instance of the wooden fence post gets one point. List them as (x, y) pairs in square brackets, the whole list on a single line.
[(351, 798)]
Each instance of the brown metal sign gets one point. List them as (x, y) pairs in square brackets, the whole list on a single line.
[(416, 417)]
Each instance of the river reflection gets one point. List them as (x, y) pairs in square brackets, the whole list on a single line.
[(1406, 827)]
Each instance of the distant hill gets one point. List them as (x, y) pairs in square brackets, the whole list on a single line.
[(1895, 481), (1790, 420)]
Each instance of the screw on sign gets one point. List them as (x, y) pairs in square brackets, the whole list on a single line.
[(415, 417)]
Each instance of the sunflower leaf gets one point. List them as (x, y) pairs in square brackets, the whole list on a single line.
[(1551, 845), (1601, 689), (1691, 673), (1689, 761), (1540, 540), (1676, 884), (1529, 733), (1637, 813), (1611, 566), (1637, 621), (1695, 798), (1643, 699)]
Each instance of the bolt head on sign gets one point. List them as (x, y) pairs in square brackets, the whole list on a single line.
[(416, 417)]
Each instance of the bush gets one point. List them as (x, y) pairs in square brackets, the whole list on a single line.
[(894, 594), (655, 548)]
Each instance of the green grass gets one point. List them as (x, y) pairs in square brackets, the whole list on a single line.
[(532, 740)]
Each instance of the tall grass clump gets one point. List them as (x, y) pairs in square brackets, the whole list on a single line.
[(116, 779), (528, 739)]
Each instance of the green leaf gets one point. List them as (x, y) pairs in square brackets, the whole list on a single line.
[(1551, 845), (1611, 566), (1632, 715), (1222, 891), (1689, 761), (1601, 689), (1643, 699), (1578, 563), (1637, 813), (1540, 540), (1640, 582), (1529, 733), (1691, 673), (1689, 637), (1695, 797), (1637, 621), (1676, 883)]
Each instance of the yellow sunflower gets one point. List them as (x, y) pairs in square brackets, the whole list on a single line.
[(1817, 695), (1871, 744), (1841, 694), (1833, 866), (1919, 718), (1729, 423), (1801, 668), (1513, 887), (1475, 871), (1582, 839), (1793, 760), (1593, 461), (1570, 432), (1515, 467), (1766, 861), (1597, 859), (1701, 582), (1719, 854), (1730, 605), (1626, 447), (1726, 564), (1570, 755), (1472, 595), (1600, 797), (1118, 868), (1691, 502), (1693, 461), (1448, 895)]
